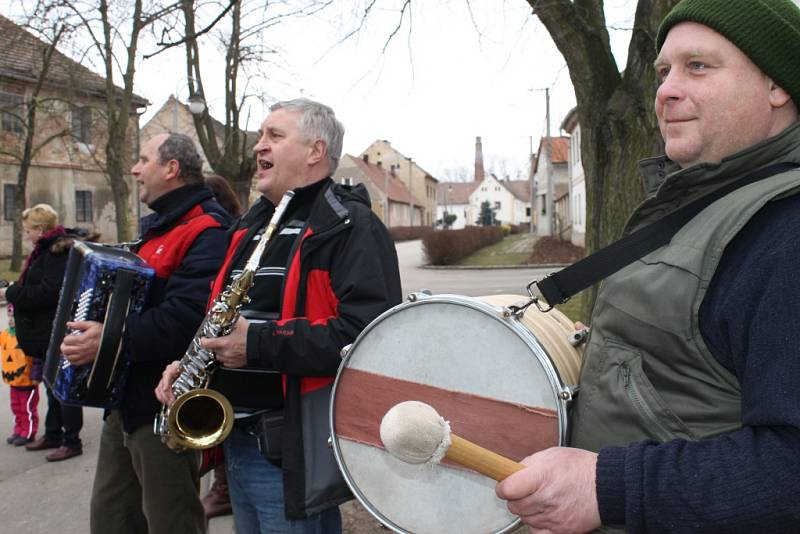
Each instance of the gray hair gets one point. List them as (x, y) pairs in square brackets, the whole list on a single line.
[(181, 148), (317, 121)]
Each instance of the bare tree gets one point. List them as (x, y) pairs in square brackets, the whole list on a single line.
[(227, 147), (25, 115), (103, 24), (230, 156)]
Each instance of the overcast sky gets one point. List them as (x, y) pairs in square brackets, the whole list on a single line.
[(447, 76)]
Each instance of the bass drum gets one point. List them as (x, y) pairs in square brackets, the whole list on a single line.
[(500, 380)]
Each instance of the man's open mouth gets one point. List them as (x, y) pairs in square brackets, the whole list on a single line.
[(265, 164)]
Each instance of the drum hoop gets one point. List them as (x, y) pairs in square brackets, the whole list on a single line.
[(499, 313)]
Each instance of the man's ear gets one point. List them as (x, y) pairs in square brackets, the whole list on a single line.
[(173, 169), (318, 152), (778, 97)]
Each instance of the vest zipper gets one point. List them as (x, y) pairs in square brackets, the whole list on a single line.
[(635, 396)]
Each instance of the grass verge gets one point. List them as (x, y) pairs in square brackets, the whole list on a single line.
[(512, 250)]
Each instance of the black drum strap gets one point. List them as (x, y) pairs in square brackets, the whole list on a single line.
[(558, 287)]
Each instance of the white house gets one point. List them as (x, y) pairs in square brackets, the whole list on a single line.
[(577, 181), (453, 197), (509, 200)]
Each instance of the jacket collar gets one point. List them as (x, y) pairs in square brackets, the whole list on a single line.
[(666, 183), (327, 207), (172, 206)]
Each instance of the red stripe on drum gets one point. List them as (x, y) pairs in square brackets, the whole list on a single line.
[(512, 430)]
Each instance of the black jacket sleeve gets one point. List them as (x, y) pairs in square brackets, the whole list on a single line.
[(43, 294), (164, 331)]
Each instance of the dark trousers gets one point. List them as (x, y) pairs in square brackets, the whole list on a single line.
[(141, 486), (63, 423)]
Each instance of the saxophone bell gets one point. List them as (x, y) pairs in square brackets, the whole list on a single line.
[(198, 419)]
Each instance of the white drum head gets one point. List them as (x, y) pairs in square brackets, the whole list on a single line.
[(484, 372)]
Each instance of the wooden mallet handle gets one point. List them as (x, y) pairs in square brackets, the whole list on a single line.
[(482, 460)]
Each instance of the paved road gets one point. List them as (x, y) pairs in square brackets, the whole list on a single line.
[(471, 282), (42, 497)]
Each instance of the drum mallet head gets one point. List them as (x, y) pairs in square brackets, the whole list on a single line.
[(415, 433)]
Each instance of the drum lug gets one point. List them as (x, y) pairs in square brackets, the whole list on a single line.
[(568, 393), (345, 350), (578, 337), (417, 295), (330, 442)]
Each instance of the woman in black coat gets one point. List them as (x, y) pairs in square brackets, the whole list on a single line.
[(35, 297)]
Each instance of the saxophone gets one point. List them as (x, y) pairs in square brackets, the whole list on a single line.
[(201, 418)]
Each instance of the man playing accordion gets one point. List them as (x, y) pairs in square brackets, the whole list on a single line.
[(140, 485)]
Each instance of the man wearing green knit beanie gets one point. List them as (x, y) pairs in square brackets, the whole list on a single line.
[(688, 414)]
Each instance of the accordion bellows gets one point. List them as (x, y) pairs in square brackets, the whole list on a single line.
[(104, 284)]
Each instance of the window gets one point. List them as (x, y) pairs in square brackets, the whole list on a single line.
[(544, 204), (83, 206), (497, 205), (527, 211), (10, 112), (81, 124), (9, 190)]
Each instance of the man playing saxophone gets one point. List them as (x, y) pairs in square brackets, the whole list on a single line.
[(329, 270), (140, 485)]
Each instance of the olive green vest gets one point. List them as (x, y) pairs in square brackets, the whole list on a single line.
[(647, 373)]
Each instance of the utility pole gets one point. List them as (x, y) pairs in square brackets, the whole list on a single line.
[(550, 189)]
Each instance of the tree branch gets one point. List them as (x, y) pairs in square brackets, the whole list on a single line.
[(193, 36)]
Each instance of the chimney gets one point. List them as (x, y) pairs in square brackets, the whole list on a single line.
[(479, 174)]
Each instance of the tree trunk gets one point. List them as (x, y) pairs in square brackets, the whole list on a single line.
[(29, 151), (615, 110), (118, 109), (234, 161)]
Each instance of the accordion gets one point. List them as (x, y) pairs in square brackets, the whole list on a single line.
[(104, 284)]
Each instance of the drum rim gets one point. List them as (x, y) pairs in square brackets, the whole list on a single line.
[(499, 314)]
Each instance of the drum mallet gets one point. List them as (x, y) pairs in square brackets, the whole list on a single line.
[(415, 433)]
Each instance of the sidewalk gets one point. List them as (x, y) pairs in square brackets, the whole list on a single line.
[(40, 497)]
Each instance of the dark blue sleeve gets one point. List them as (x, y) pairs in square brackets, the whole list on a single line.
[(745, 481)]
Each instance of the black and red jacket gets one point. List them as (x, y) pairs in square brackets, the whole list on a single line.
[(341, 274), (184, 241)]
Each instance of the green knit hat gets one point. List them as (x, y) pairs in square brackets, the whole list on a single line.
[(767, 31)]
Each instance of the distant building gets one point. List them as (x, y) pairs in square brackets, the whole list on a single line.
[(551, 163), (68, 172), (175, 116), (454, 198), (391, 200), (577, 179), (420, 183), (510, 199)]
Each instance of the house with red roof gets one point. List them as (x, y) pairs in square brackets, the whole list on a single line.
[(68, 172), (391, 199)]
